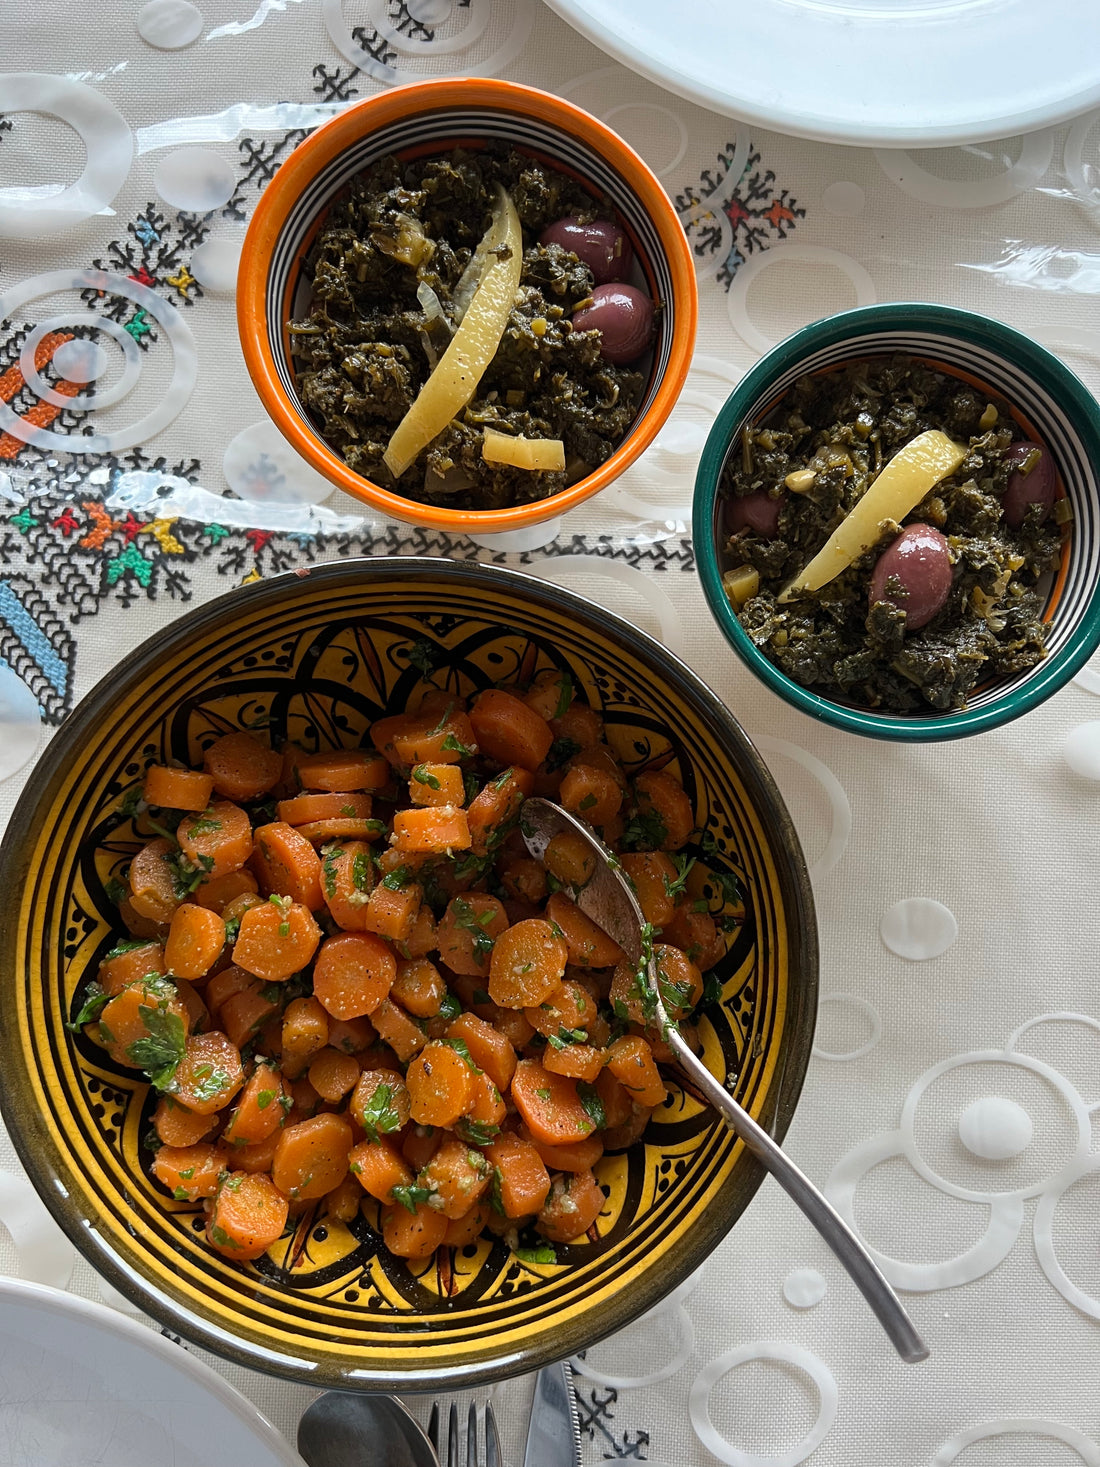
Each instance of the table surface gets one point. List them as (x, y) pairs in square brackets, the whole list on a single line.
[(920, 1061)]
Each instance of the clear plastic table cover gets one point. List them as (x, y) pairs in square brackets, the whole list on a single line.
[(951, 1107)]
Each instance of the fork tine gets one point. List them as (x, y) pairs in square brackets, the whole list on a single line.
[(452, 1436), (433, 1427), (493, 1454), (471, 1436)]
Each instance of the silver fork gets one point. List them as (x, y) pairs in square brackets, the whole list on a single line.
[(447, 1451)]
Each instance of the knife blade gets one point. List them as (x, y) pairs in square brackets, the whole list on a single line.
[(553, 1436)]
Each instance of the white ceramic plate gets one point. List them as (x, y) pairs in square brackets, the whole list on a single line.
[(83, 1386), (888, 73)]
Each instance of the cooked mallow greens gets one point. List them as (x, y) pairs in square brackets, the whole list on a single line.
[(886, 531), (470, 335)]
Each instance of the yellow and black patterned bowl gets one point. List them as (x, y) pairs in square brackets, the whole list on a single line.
[(317, 656)]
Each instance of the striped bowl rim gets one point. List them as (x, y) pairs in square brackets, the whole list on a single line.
[(434, 116), (1042, 389)]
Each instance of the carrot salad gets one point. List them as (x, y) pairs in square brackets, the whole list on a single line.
[(351, 986)]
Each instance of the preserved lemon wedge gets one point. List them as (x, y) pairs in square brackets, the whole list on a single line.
[(522, 453), (901, 486), (473, 346)]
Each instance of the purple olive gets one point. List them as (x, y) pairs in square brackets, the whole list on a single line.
[(920, 559), (757, 512), (600, 245), (1024, 490), (623, 315)]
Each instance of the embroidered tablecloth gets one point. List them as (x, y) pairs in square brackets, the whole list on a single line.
[(951, 1103)]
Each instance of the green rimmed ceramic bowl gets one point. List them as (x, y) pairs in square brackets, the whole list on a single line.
[(1062, 413), (318, 655)]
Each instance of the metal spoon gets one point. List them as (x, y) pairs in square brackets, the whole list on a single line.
[(609, 901), (344, 1430)]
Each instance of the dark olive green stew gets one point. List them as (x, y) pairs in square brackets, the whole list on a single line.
[(403, 264), (948, 596)]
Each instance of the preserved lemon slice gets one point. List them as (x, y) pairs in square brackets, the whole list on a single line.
[(903, 483), (473, 346), (522, 453)]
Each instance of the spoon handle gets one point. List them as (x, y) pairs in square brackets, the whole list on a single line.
[(862, 1268)]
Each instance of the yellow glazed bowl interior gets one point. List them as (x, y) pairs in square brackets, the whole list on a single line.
[(316, 657)]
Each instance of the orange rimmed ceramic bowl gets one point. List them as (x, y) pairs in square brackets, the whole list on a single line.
[(434, 117)]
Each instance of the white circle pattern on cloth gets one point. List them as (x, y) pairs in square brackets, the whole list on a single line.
[(670, 1313), (840, 828), (803, 1288), (995, 1128), (260, 465), (107, 140), (843, 199), (918, 929), (169, 25), (971, 193), (196, 180), (45, 1254), (1081, 749), (1087, 1450), (184, 357), (1089, 679), (20, 723), (1073, 161), (565, 568), (783, 1353), (521, 15), (79, 360), (801, 254), (82, 401), (215, 264), (860, 1006), (516, 542)]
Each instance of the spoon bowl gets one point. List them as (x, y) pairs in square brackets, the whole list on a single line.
[(342, 1430)]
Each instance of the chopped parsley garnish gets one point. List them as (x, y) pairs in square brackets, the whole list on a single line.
[(127, 945), (283, 904), (181, 1194), (475, 925), (422, 776), (647, 997), (95, 1001), (410, 1196), (185, 877), (115, 890), (729, 887), (423, 656), (477, 1133), (592, 1103), (565, 1037), (471, 786), (565, 696), (264, 1099), (450, 1008), (678, 885), (232, 928), (397, 879), (588, 802), (330, 854), (380, 1116), (348, 810), (454, 745), (544, 1253), (462, 1050), (161, 1050), (645, 831), (128, 805), (495, 1186), (221, 1238), (561, 751), (360, 871), (203, 825)]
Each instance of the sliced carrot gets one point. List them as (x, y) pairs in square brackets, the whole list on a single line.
[(433, 829), (398, 1030), (189, 1172), (242, 768), (549, 1105), (312, 1157), (407, 739), (616, 1102), (332, 1073), (177, 1126), (153, 889), (235, 909), (581, 1156), (488, 1048), (574, 1204), (287, 865), (485, 1114), (209, 1074), (134, 1025), (341, 827), (126, 963), (198, 1015), (419, 1144), (436, 784), (353, 973), (458, 1175), (570, 859), (379, 1168), (392, 911), (528, 963), (679, 980), (415, 1234), (351, 1036), (195, 941), (630, 1060), (261, 1109), (248, 1215), (697, 934), (380, 1103), (525, 879), (347, 878), (522, 1181), (664, 809), (550, 694), (440, 1084), (304, 809), (508, 731), (342, 1203), (419, 987), (225, 984), (306, 1101), (514, 1026), (216, 893), (176, 789), (276, 941), (591, 794), (619, 1138), (589, 946), (580, 724), (421, 939), (305, 1028), (468, 1228), (343, 771), (139, 926), (258, 1157), (468, 931), (578, 1061), (217, 839), (626, 994), (652, 874), (564, 1014)]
